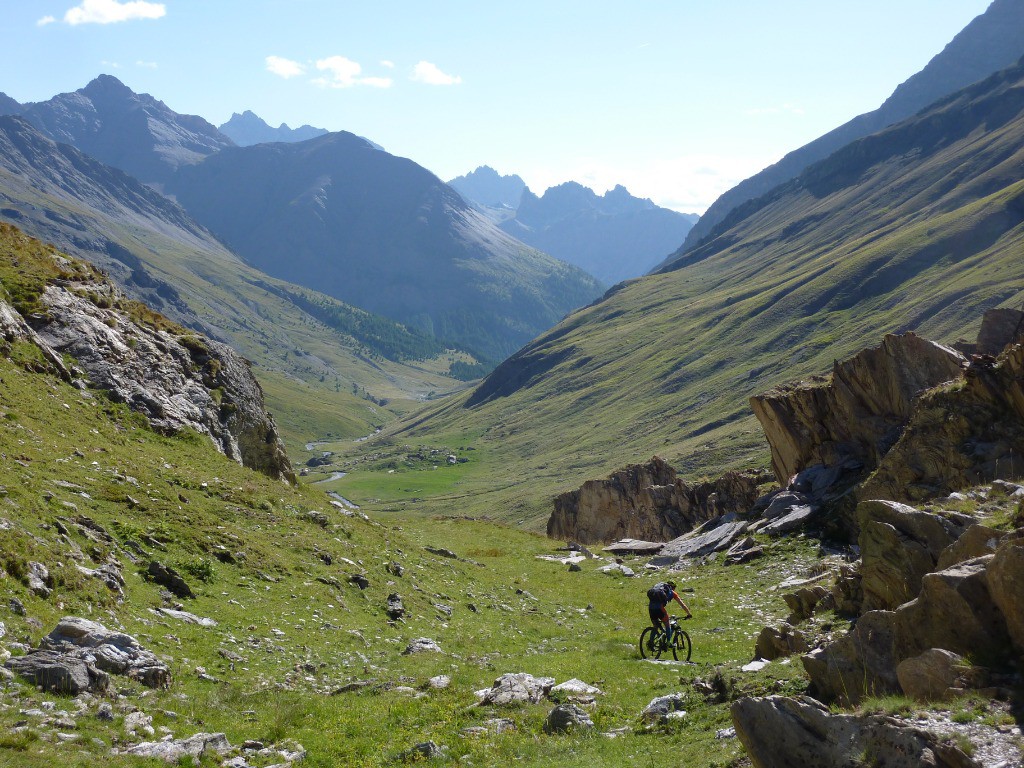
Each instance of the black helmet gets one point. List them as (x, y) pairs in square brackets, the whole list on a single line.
[(671, 584)]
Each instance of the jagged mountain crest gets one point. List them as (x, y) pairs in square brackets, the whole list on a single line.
[(490, 189), (249, 128)]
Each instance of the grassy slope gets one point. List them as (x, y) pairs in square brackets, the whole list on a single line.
[(69, 455), (917, 228)]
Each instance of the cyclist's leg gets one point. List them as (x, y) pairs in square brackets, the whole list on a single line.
[(668, 625), (654, 611)]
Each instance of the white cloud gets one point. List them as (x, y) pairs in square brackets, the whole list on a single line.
[(341, 72), (146, 64), (45, 20), (431, 74), (387, 64), (112, 11), (111, 64), (285, 68)]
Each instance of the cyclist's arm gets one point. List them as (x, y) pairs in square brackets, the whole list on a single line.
[(675, 596)]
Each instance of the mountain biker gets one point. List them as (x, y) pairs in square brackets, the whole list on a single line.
[(660, 595)]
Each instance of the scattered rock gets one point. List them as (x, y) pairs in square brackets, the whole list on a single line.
[(167, 577), (617, 568), (567, 717), (395, 569), (198, 746), (105, 711), (39, 580), (17, 606), (715, 535), (634, 547), (359, 580), (188, 618), (803, 602), (661, 708), (395, 610), (574, 568), (442, 552), (576, 687), (512, 688), (743, 551), (110, 574), (138, 722), (426, 750), (439, 683), (422, 645), (77, 653), (776, 643)]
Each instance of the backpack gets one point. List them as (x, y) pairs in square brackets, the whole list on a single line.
[(659, 593)]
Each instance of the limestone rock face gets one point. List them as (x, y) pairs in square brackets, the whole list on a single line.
[(899, 545), (776, 643), (936, 674), (999, 327), (857, 414), (959, 436), (175, 380), (780, 732), (648, 502)]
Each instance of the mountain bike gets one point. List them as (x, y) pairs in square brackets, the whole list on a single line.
[(654, 642)]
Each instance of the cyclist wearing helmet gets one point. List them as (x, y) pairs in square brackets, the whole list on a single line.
[(660, 595)]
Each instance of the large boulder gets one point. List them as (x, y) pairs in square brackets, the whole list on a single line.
[(715, 535), (513, 688), (780, 732), (899, 545), (176, 750), (776, 643), (58, 673), (938, 674), (857, 413), (648, 502), (567, 717)]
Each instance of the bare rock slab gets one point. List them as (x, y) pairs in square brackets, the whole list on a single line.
[(780, 732)]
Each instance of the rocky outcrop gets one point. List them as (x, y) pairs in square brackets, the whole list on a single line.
[(971, 608), (856, 414), (1000, 327), (715, 535), (649, 502), (79, 655), (780, 732), (175, 378), (960, 436)]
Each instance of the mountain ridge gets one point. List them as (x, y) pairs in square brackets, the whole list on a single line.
[(248, 128), (990, 42)]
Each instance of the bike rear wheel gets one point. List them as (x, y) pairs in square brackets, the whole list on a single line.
[(650, 636)]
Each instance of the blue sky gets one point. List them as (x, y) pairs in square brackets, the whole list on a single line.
[(676, 99)]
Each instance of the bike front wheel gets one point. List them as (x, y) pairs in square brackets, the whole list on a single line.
[(681, 646)]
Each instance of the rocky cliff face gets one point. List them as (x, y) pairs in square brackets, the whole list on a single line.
[(175, 378), (961, 435), (647, 501), (857, 414)]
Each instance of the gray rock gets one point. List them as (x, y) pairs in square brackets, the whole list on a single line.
[(780, 732), (395, 610), (167, 577), (899, 545), (422, 645), (58, 673), (576, 687), (617, 568), (442, 552), (565, 718), (1005, 581), (661, 708), (426, 750), (938, 674), (188, 618), (39, 580), (976, 541), (110, 574), (793, 520), (439, 682), (198, 746), (803, 602), (713, 536), (634, 547), (105, 711), (138, 722), (17, 606), (513, 688)]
